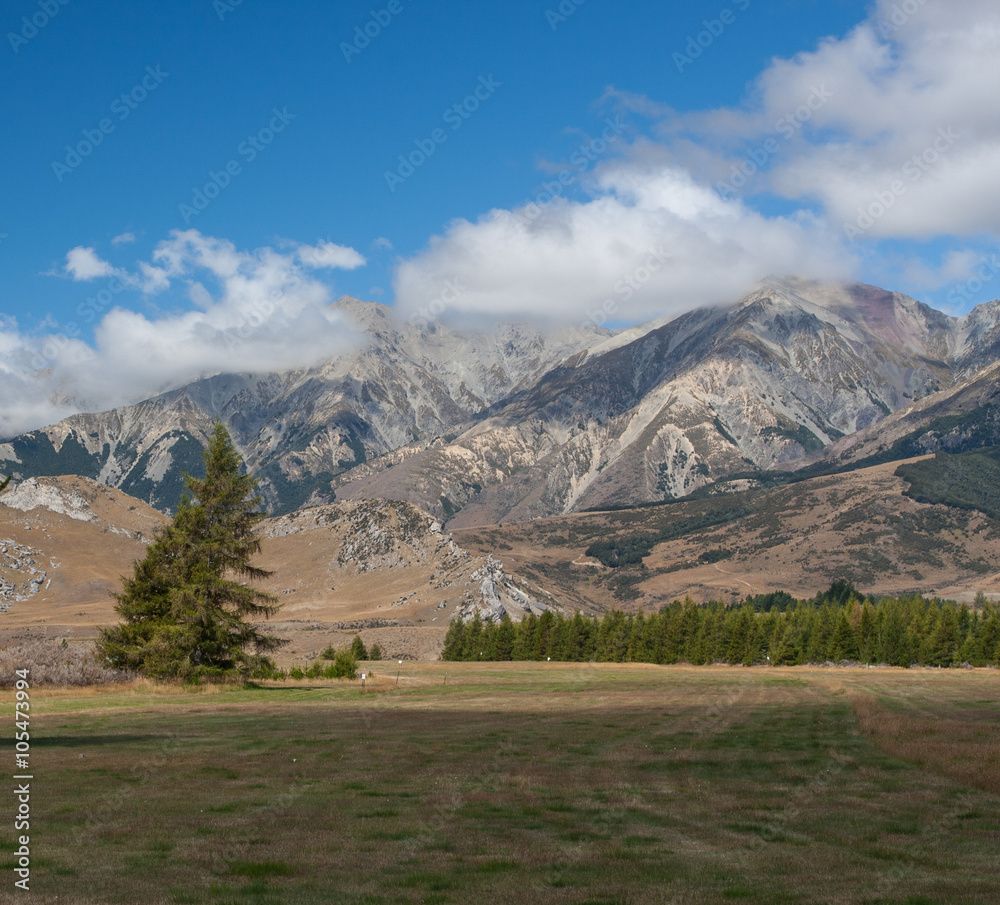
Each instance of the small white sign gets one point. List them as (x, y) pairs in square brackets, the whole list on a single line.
[(362, 677)]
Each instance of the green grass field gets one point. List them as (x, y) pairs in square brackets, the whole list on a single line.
[(522, 783)]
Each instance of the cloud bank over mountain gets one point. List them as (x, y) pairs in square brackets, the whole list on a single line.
[(891, 132), (250, 311)]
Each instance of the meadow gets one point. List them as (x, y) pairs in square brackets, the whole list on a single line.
[(593, 784)]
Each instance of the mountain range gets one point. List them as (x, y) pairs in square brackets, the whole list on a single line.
[(520, 421)]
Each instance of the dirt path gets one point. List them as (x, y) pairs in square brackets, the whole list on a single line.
[(740, 580)]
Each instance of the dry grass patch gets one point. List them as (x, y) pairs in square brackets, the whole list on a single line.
[(962, 743)]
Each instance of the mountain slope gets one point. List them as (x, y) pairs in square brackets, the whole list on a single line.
[(64, 543), (861, 526), (708, 394), (958, 419)]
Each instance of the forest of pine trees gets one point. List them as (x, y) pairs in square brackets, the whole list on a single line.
[(837, 625)]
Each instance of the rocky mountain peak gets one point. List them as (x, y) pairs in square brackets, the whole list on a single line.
[(369, 317)]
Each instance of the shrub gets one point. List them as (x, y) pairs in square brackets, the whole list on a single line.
[(375, 652), (315, 671), (55, 663), (345, 665)]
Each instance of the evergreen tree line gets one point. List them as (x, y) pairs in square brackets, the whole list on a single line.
[(904, 631)]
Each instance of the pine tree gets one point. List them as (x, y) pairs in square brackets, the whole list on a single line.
[(506, 635), (358, 649), (185, 612), (454, 641), (941, 644), (741, 626), (524, 643), (867, 635), (893, 644), (844, 644), (472, 648)]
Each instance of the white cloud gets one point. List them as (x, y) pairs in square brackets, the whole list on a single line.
[(651, 242), (123, 239), (892, 131), (82, 263), (259, 311), (153, 279), (326, 254), (906, 139)]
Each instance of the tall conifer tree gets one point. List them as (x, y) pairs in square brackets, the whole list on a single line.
[(186, 610)]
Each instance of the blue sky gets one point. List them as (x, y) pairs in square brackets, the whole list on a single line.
[(122, 117)]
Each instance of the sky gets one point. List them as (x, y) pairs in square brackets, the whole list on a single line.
[(187, 186)]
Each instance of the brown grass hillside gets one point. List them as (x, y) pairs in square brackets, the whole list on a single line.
[(797, 538)]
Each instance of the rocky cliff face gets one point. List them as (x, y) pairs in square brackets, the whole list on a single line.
[(519, 422), (962, 417), (21, 573)]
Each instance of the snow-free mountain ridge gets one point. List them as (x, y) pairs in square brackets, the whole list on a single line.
[(520, 421)]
